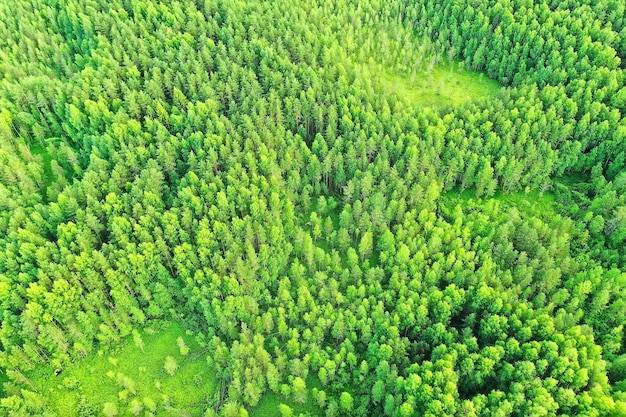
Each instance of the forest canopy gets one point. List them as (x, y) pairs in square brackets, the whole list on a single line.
[(293, 208)]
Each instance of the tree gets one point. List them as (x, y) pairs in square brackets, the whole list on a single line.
[(378, 391), (405, 410), (617, 371), (366, 245), (346, 402), (182, 346), (170, 365), (390, 404), (110, 410), (252, 393), (322, 205), (285, 410), (135, 407), (485, 182), (321, 398), (299, 390), (323, 375), (138, 340), (316, 226)]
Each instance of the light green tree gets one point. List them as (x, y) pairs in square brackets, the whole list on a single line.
[(170, 365), (110, 410), (346, 401), (299, 390)]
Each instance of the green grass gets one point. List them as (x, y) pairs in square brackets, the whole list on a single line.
[(268, 405), (447, 84), (533, 203), (96, 377)]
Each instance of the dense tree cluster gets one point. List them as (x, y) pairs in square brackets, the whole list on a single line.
[(224, 163)]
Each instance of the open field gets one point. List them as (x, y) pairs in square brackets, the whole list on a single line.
[(446, 85), (133, 378)]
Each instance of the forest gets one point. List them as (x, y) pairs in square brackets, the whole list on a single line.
[(324, 208)]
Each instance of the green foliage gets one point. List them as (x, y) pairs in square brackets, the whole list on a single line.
[(353, 208)]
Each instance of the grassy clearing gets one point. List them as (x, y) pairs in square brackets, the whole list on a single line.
[(447, 84), (269, 403), (534, 203), (132, 377)]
